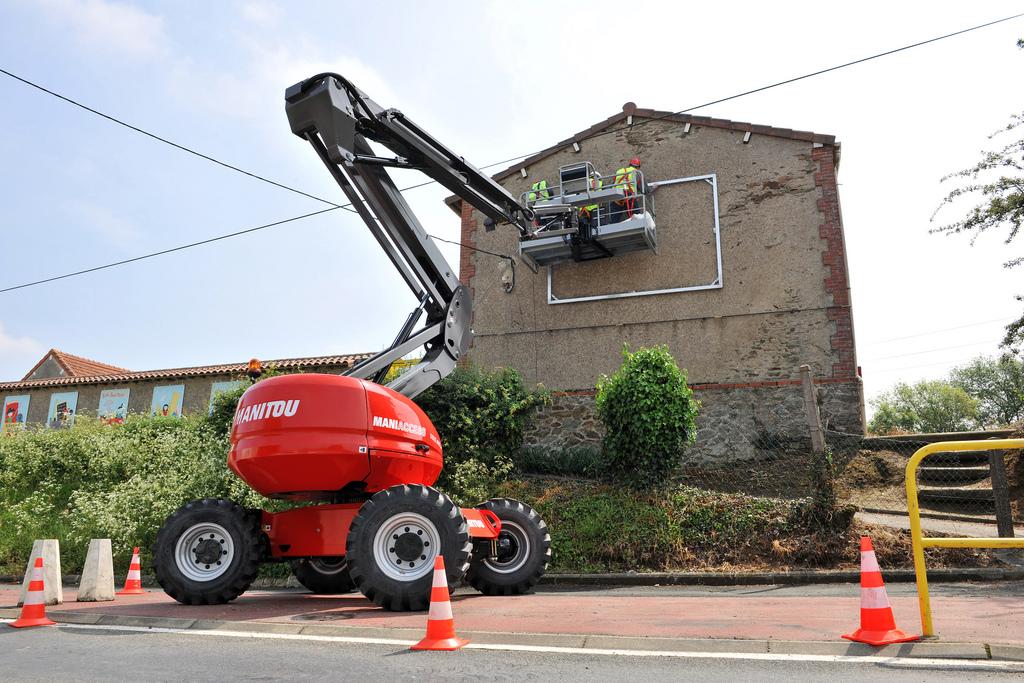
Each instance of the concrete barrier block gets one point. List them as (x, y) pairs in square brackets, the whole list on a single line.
[(97, 583), (49, 550)]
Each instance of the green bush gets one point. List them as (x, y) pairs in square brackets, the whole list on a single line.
[(481, 417), (118, 482), (649, 415)]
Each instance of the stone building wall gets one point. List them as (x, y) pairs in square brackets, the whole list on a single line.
[(735, 423), (784, 299)]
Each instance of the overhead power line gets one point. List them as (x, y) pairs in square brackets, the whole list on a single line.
[(941, 348), (169, 142), (168, 251), (482, 251), (430, 182), (884, 371), (207, 157), (812, 74), (931, 332)]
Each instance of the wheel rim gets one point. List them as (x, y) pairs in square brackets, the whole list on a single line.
[(520, 541), (204, 551), (328, 566), (405, 546)]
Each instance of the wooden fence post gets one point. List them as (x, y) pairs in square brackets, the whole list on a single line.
[(811, 407), (1001, 493)]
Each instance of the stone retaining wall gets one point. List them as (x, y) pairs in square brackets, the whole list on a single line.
[(734, 423)]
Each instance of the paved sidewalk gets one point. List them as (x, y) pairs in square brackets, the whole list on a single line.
[(968, 612)]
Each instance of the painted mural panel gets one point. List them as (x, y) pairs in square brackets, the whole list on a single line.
[(168, 400), (63, 406), (113, 407), (220, 387), (15, 412)]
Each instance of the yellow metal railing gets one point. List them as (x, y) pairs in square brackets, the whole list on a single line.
[(913, 509)]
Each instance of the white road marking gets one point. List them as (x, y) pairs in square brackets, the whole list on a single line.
[(892, 662)]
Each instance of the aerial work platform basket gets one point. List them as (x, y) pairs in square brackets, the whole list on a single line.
[(587, 216)]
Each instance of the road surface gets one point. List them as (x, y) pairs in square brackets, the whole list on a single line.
[(83, 653)]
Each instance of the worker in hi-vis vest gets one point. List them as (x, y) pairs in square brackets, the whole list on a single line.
[(627, 178), (538, 191), (589, 213)]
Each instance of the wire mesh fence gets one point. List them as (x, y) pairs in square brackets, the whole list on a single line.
[(969, 493)]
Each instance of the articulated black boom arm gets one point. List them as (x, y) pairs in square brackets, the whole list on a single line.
[(338, 119)]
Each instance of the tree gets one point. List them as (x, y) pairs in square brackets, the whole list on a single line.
[(997, 384), (998, 183), (928, 406)]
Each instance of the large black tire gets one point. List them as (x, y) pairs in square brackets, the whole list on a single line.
[(225, 545), (394, 540), (524, 557), (323, 575)]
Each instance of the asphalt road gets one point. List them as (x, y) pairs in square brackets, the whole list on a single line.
[(90, 654)]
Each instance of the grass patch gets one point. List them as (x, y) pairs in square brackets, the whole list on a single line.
[(597, 527)]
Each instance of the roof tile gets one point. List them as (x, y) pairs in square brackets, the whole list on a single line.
[(198, 371)]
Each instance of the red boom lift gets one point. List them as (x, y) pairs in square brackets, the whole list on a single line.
[(365, 454)]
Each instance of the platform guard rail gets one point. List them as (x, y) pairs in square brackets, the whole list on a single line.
[(921, 542)]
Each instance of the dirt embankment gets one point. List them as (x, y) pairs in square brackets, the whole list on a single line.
[(598, 528)]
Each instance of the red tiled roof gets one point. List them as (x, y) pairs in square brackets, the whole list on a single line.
[(174, 373), (76, 366), (631, 109)]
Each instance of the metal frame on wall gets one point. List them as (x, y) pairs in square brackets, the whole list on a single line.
[(712, 180)]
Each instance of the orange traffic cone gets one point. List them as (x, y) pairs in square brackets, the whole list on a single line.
[(877, 625), (133, 583), (33, 612), (440, 623)]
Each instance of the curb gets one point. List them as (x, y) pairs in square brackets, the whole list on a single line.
[(795, 578), (776, 578), (925, 649)]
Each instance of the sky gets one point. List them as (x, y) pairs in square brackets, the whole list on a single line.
[(78, 191)]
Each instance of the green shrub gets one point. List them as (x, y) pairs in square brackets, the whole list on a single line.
[(649, 414), (118, 482), (481, 417)]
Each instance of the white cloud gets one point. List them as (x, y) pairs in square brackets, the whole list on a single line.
[(12, 347), (256, 90), (261, 12), (109, 27), (109, 226)]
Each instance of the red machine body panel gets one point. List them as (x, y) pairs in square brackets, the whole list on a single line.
[(307, 436), (481, 523), (312, 531)]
